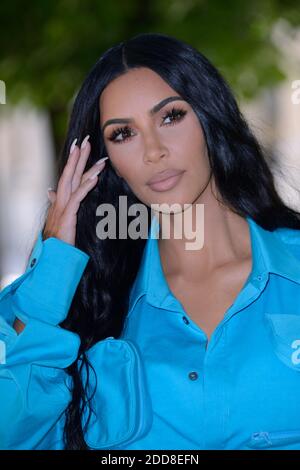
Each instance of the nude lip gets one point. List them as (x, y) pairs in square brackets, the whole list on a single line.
[(167, 183), (163, 175)]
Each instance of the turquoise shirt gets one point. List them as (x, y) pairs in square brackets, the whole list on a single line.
[(161, 385)]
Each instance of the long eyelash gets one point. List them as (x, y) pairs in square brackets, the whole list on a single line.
[(175, 113), (118, 131)]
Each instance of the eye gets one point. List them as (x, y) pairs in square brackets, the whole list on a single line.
[(120, 131), (175, 114)]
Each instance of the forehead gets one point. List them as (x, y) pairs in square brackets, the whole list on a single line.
[(137, 89)]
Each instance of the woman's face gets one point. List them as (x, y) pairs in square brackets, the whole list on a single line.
[(152, 142)]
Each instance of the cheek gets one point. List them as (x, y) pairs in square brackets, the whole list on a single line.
[(200, 153), (119, 164), (200, 173), (124, 159), (128, 171)]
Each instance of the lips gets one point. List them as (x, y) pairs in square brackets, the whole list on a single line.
[(163, 175)]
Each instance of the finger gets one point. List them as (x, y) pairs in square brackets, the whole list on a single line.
[(51, 195), (64, 187), (76, 197), (85, 149), (95, 170)]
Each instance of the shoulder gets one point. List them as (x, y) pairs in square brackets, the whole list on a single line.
[(291, 238)]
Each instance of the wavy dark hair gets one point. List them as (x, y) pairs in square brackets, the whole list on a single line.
[(238, 162)]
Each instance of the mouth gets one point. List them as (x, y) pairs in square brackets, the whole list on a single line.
[(166, 183)]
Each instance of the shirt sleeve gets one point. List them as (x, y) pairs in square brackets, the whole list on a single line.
[(34, 387)]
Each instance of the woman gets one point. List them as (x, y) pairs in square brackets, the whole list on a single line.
[(133, 344)]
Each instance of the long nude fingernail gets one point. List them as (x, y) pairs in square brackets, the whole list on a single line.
[(83, 144), (101, 160), (49, 191), (96, 173), (73, 145)]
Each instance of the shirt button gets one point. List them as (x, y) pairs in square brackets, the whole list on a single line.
[(259, 278), (193, 375), (33, 262), (185, 320)]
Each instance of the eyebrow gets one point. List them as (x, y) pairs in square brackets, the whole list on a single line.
[(152, 111)]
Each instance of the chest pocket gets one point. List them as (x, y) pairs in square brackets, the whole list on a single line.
[(121, 404), (284, 332)]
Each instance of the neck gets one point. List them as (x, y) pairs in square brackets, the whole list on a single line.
[(226, 238)]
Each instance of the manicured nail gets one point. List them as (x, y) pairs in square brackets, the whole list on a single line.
[(96, 173), (83, 144), (101, 160), (73, 145), (48, 192)]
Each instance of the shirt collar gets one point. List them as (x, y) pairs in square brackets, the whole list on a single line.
[(269, 255)]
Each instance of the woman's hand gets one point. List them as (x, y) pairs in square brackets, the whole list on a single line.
[(72, 188)]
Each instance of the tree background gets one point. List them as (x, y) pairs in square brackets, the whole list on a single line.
[(48, 46)]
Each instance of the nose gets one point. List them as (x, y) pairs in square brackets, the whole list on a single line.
[(154, 150)]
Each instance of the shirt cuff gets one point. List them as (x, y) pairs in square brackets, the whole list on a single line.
[(46, 293)]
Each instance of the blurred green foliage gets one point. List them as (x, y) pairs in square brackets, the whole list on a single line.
[(48, 46)]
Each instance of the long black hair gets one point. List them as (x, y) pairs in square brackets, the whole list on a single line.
[(238, 162)]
